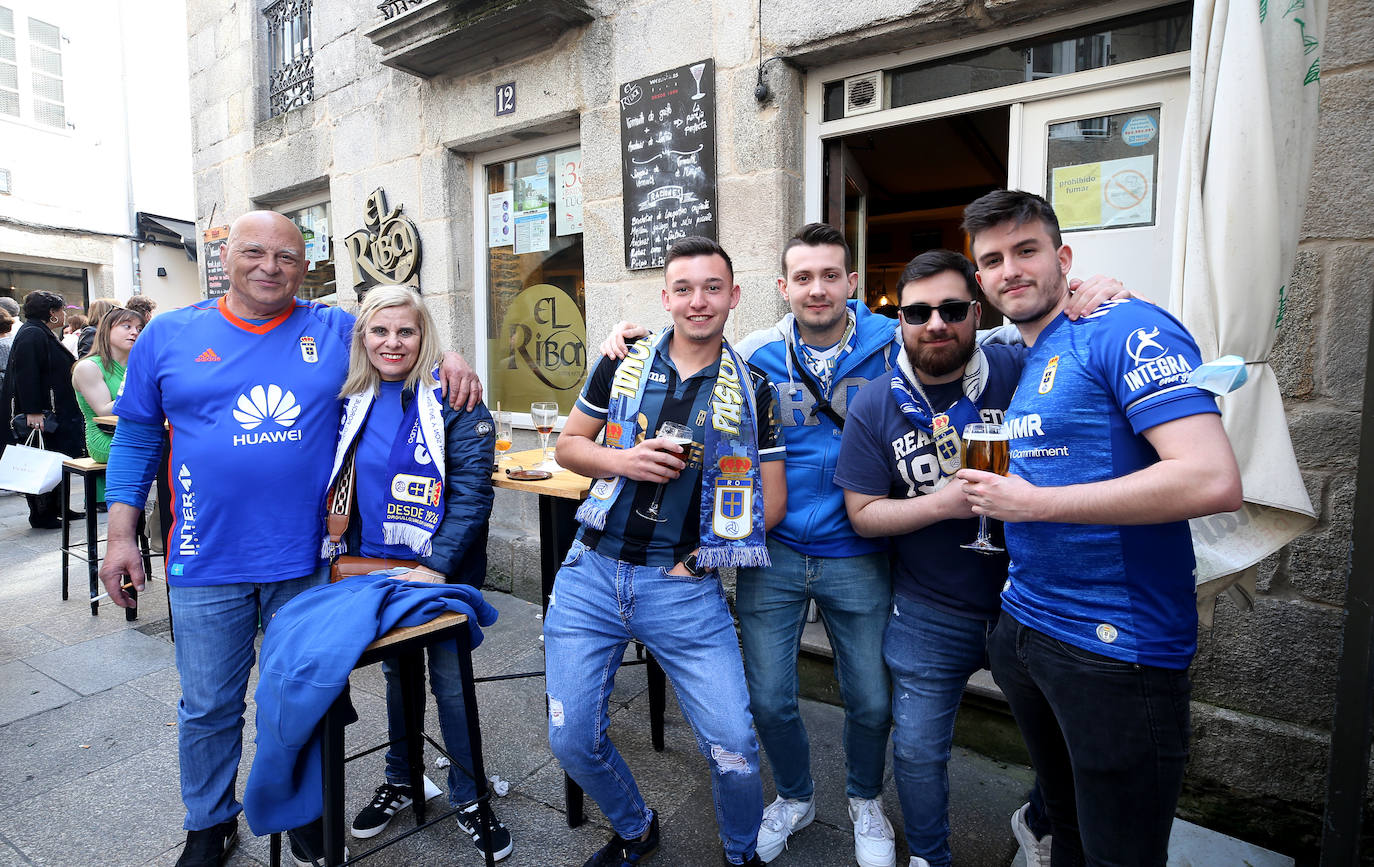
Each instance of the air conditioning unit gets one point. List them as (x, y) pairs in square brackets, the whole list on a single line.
[(863, 93)]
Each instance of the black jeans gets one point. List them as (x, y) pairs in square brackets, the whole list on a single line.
[(1108, 739)]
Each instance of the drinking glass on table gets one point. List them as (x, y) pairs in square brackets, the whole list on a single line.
[(986, 448), (544, 414), (678, 435), (503, 434)]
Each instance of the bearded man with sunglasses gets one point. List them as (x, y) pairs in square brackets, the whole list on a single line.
[(896, 465)]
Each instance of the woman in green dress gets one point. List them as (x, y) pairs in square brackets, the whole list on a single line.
[(99, 376)]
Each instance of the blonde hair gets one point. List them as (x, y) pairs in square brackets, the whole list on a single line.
[(362, 376), (99, 307)]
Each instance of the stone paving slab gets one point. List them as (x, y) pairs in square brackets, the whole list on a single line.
[(18, 642), (25, 691), (109, 660)]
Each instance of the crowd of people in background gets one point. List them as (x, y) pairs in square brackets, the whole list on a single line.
[(59, 369)]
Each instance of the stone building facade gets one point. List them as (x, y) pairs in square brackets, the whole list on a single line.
[(407, 97)]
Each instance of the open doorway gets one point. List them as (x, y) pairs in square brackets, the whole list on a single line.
[(901, 190)]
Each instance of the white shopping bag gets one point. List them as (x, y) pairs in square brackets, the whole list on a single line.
[(30, 470)]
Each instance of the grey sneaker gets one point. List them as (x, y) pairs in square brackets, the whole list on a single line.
[(1037, 851), (780, 819)]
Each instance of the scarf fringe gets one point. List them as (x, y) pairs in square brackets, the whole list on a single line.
[(408, 535), (750, 556), (591, 515)]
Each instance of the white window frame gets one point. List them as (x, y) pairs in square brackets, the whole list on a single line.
[(817, 131), (25, 72), (480, 289)]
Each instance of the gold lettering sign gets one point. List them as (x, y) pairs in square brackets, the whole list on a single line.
[(388, 250), (541, 346)]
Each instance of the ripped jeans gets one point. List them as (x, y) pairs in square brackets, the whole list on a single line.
[(598, 606)]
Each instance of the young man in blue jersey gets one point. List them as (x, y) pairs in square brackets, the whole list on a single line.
[(900, 452), (249, 387), (658, 522), (1112, 451)]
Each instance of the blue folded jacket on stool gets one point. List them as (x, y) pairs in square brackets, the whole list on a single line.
[(308, 651)]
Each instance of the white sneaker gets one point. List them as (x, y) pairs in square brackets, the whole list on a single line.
[(780, 819), (874, 844), (918, 862), (1037, 851)]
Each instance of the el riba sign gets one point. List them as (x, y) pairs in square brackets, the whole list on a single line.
[(387, 251)]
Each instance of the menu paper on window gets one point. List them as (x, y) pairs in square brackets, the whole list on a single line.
[(532, 232), (568, 192), (500, 219), (668, 164)]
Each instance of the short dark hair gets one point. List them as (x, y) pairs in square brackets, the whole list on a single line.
[(40, 305), (933, 262), (816, 235), (143, 305), (1010, 206), (6, 320), (697, 245)]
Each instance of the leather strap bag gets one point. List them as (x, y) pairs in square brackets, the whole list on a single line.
[(336, 524)]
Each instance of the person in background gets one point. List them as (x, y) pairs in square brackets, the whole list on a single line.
[(71, 331), (38, 380), (7, 320), (98, 377), (393, 402), (142, 304), (99, 307)]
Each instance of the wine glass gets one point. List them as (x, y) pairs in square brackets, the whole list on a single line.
[(678, 435), (503, 435), (544, 414), (986, 448)]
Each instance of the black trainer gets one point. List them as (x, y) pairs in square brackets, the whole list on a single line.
[(210, 847), (307, 844), (387, 802), (627, 853), (501, 844)]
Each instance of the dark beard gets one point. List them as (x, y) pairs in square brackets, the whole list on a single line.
[(939, 362)]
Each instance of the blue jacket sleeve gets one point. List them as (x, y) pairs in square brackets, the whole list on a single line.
[(460, 543), (134, 454)]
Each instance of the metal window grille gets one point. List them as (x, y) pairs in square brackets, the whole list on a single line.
[(45, 60), (9, 64), (292, 80)]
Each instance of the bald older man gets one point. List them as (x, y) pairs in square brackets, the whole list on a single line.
[(249, 385)]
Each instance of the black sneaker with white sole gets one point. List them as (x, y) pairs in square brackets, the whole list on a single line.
[(387, 802), (210, 847), (501, 844), (307, 844)]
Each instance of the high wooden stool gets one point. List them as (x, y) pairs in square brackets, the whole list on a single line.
[(91, 470), (408, 645)]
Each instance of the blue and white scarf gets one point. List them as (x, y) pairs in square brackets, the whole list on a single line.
[(942, 427), (413, 507), (732, 528)]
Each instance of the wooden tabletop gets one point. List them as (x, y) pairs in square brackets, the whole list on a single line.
[(565, 483), (107, 420)]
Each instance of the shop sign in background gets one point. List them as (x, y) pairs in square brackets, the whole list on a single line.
[(540, 350)]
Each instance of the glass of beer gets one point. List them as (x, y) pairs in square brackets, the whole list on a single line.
[(986, 448), (504, 438), (544, 414), (678, 435)]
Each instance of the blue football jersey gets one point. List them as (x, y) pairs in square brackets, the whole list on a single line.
[(1088, 391), (253, 412)]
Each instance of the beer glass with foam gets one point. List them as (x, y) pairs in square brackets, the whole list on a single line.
[(986, 448)]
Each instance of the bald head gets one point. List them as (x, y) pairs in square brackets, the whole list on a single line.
[(265, 261)]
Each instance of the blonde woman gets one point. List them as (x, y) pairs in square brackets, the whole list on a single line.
[(393, 403)]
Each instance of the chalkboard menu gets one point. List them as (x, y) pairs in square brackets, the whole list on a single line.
[(216, 280), (668, 139)]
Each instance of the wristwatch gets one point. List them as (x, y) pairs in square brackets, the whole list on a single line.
[(690, 564)]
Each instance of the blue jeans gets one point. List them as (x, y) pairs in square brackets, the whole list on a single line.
[(598, 606), (216, 627), (931, 655), (1108, 739), (446, 682), (854, 594)]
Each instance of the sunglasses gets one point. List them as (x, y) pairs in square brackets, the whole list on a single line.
[(950, 312)]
